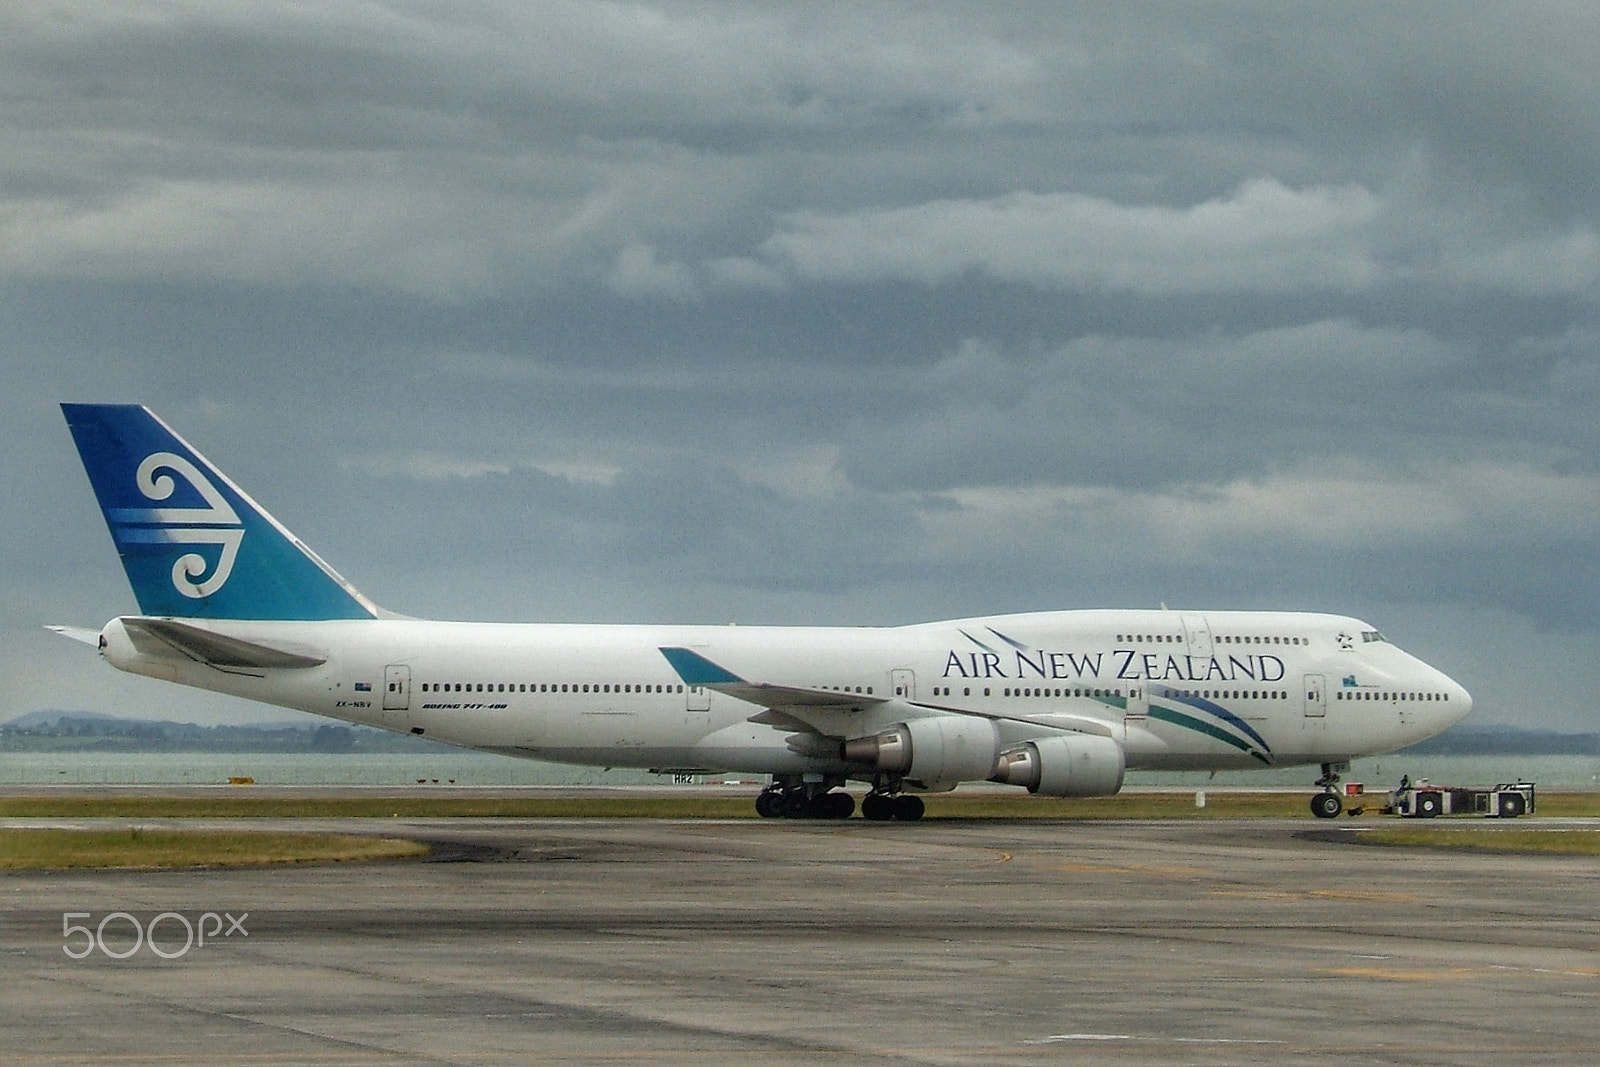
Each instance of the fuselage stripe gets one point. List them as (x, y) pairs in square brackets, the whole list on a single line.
[(1189, 722), (1226, 716)]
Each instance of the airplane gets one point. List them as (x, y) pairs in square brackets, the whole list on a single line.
[(1060, 703)]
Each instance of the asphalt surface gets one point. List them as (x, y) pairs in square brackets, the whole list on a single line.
[(754, 942)]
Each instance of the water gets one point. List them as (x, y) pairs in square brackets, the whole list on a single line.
[(484, 769), (300, 768)]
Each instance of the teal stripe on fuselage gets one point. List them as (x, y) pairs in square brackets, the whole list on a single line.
[(1228, 717), (1189, 722)]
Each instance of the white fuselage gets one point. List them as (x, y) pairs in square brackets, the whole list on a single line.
[(1177, 690)]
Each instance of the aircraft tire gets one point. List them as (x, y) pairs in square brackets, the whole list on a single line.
[(838, 805), (877, 807), (795, 805), (769, 804), (908, 808), (1326, 805)]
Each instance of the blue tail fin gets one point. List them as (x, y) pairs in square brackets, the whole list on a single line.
[(193, 544)]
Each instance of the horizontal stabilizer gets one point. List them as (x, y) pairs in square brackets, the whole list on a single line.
[(210, 647), (77, 633)]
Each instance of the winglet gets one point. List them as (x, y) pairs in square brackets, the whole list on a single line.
[(695, 669)]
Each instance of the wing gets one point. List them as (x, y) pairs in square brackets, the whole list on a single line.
[(785, 704), (816, 710)]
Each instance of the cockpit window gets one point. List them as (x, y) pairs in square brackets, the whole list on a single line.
[(1368, 636)]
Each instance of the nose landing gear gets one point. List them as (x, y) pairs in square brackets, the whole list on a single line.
[(1328, 804)]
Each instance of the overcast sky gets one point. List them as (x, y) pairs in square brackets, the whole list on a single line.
[(821, 313)]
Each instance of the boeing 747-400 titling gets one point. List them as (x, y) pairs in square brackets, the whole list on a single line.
[(1059, 703)]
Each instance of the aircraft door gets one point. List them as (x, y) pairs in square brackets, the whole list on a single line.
[(1198, 634), (1316, 696), (1137, 713), (903, 684), (396, 687), (697, 698)]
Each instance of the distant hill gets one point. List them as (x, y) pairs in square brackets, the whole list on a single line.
[(1507, 741), (87, 731), (47, 719)]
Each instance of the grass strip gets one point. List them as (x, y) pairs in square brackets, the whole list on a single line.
[(1553, 842), (957, 805), (57, 849), (358, 807)]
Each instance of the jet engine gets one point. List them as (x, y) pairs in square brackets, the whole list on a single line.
[(1072, 765), (937, 752)]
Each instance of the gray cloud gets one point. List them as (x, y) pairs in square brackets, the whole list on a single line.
[(791, 313)]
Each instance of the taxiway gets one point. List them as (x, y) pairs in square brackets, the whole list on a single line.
[(751, 942)]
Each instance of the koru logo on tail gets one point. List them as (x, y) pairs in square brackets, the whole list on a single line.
[(217, 523)]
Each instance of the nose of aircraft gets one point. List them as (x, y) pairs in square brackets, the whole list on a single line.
[(1458, 707)]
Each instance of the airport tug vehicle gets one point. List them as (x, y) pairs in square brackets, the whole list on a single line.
[(1424, 800)]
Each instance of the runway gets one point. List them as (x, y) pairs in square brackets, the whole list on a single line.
[(738, 942)]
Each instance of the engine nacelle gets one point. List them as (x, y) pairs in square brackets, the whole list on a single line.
[(1072, 765), (938, 752)]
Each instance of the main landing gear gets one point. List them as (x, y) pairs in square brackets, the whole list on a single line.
[(804, 802), (1328, 804), (881, 807), (793, 799)]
